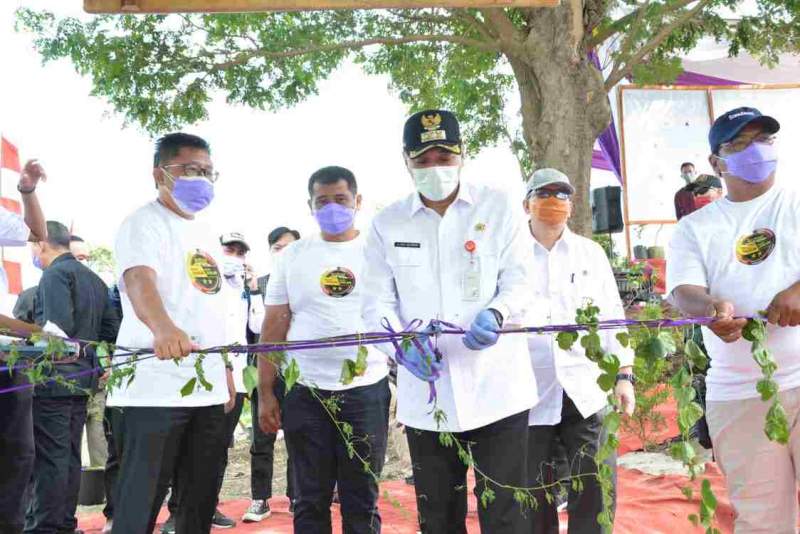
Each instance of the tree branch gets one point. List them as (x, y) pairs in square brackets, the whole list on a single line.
[(475, 22), (510, 37), (622, 23), (620, 70), (246, 56)]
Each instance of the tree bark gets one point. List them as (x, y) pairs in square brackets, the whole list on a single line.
[(564, 103)]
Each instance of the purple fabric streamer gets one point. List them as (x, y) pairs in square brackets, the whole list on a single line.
[(375, 338)]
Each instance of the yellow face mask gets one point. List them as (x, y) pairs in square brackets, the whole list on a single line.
[(551, 210)]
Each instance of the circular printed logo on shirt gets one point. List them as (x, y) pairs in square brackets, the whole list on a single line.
[(338, 282), (203, 272), (754, 248)]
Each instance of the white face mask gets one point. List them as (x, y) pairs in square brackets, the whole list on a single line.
[(436, 183), (232, 266)]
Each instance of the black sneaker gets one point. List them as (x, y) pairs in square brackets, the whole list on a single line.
[(169, 526), (410, 480), (220, 520), (259, 509)]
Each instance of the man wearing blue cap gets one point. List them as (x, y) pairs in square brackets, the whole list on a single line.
[(733, 258)]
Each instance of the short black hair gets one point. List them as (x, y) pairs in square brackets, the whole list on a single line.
[(75, 239), (58, 235), (279, 232), (167, 147), (686, 164), (331, 175)]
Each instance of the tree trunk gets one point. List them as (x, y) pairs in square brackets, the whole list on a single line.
[(564, 103)]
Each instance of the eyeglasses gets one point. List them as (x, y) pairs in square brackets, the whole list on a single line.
[(193, 171), (546, 193)]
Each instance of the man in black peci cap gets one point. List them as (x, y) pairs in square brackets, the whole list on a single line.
[(457, 252), (729, 260)]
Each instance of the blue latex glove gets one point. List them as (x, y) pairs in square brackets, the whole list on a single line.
[(421, 363), (482, 332)]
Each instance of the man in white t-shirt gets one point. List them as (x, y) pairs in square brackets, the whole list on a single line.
[(315, 292), (16, 416), (173, 301), (733, 258)]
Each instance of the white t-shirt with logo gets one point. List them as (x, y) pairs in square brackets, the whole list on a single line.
[(744, 253), (236, 323), (322, 283), (186, 259)]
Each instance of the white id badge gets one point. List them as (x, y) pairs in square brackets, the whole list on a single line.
[(471, 281)]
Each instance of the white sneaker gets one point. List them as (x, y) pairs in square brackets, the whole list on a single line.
[(108, 526), (259, 510)]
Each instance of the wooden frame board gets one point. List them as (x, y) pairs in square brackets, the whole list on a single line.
[(709, 89), (234, 6)]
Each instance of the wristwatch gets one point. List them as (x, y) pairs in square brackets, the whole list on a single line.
[(26, 191), (626, 376)]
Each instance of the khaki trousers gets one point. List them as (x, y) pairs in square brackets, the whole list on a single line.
[(761, 476)]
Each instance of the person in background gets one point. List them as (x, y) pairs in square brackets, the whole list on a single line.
[(315, 292), (457, 252), (262, 451), (688, 173), (731, 260), (79, 249), (697, 194), (568, 271), (75, 300), (16, 415), (172, 299)]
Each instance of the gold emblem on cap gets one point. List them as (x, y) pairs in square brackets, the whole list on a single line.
[(431, 122)]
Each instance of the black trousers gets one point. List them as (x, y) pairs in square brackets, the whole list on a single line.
[(155, 443), (262, 455), (440, 477), (581, 439), (16, 455), (231, 420), (322, 460), (57, 430), (112, 463)]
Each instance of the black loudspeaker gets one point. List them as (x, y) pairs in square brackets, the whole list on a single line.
[(607, 210)]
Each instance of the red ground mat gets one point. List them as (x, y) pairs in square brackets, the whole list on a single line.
[(647, 504)]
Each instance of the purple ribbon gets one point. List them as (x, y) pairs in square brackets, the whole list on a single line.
[(373, 338)]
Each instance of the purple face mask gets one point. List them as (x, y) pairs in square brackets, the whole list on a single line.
[(334, 218), (754, 164), (192, 194)]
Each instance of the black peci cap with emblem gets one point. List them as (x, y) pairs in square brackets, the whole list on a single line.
[(429, 129)]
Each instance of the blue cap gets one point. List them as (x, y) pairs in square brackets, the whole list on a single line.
[(729, 124)]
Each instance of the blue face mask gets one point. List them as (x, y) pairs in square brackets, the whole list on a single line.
[(37, 262)]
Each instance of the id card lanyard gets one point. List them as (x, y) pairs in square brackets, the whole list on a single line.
[(471, 280)]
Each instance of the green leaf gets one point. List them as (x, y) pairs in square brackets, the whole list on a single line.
[(250, 378), (755, 330), (688, 492), (694, 519), (566, 340), (688, 415), (606, 381), (487, 496), (624, 339), (767, 388), (668, 340), (652, 349), (777, 424), (291, 375), (348, 372), (188, 387), (696, 355), (361, 361)]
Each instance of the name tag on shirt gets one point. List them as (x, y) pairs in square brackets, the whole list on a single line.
[(471, 280), (405, 244)]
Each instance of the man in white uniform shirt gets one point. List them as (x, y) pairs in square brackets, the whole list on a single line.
[(315, 291), (172, 300), (459, 253), (16, 409), (733, 258), (568, 271)]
